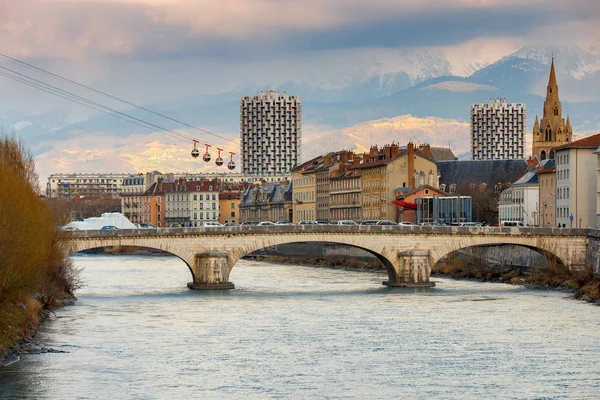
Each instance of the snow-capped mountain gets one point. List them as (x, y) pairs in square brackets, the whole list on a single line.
[(526, 71), (342, 92)]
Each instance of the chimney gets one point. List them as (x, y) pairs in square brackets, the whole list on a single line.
[(425, 149), (411, 165), (366, 157), (355, 160), (395, 150), (345, 156), (531, 163), (327, 160), (387, 152), (373, 151)]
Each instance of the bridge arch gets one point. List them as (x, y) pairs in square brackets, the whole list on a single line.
[(407, 252), (548, 251), (75, 247), (386, 256)]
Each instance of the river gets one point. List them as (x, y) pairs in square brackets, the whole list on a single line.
[(293, 332)]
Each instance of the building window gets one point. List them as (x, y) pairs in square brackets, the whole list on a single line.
[(232, 214)]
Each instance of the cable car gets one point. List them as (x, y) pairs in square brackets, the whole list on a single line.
[(206, 156), (219, 160), (195, 152), (231, 163)]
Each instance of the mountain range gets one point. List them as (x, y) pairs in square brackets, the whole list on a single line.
[(415, 98)]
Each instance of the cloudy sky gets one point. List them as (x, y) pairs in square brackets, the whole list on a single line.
[(150, 50), (153, 51)]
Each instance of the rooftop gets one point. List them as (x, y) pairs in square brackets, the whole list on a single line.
[(590, 142)]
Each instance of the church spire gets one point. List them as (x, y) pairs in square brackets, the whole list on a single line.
[(552, 90), (568, 122), (552, 80), (536, 125)]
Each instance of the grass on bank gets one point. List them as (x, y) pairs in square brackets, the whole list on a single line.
[(583, 283), (35, 272)]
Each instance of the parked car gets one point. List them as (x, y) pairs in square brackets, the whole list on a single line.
[(145, 225), (250, 223), (69, 228), (471, 224), (283, 223), (386, 222), (307, 223), (231, 224), (109, 228), (211, 225), (322, 222), (176, 226), (406, 223), (513, 223), (266, 223), (346, 222), (369, 222)]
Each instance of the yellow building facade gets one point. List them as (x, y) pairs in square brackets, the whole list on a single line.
[(389, 168), (304, 195)]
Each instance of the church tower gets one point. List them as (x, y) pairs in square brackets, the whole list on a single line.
[(551, 131)]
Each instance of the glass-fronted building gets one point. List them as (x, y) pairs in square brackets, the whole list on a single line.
[(452, 210)]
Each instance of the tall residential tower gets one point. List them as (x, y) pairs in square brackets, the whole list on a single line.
[(551, 131), (270, 133), (497, 130)]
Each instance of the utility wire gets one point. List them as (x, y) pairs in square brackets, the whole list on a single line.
[(14, 60), (31, 84), (112, 110), (22, 78), (73, 99)]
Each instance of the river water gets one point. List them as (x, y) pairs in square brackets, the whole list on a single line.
[(292, 332)]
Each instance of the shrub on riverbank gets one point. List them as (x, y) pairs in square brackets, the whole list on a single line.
[(556, 276), (34, 271)]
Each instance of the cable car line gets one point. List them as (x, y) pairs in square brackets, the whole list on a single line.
[(40, 87), (14, 60), (46, 87)]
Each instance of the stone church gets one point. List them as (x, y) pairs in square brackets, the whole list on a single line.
[(551, 131)]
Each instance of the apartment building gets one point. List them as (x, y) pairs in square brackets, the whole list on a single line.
[(520, 202), (304, 179), (154, 203), (576, 182), (386, 169), (229, 206), (346, 199), (497, 130), (547, 200), (267, 202), (270, 133), (192, 203), (68, 186)]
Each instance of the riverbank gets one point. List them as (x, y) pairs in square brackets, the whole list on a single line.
[(21, 317), (318, 262), (583, 286)]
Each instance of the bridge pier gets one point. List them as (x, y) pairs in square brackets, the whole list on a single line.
[(211, 271), (414, 270)]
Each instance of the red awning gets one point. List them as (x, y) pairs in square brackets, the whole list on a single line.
[(404, 204)]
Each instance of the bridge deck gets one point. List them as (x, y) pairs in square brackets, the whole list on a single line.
[(337, 229)]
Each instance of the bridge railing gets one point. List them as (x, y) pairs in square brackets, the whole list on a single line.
[(334, 229)]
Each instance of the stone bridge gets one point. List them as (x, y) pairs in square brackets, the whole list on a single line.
[(407, 252)]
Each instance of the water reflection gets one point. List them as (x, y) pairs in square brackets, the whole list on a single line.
[(299, 332)]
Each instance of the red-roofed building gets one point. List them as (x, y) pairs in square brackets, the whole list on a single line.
[(154, 203), (576, 182), (192, 203), (389, 168)]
